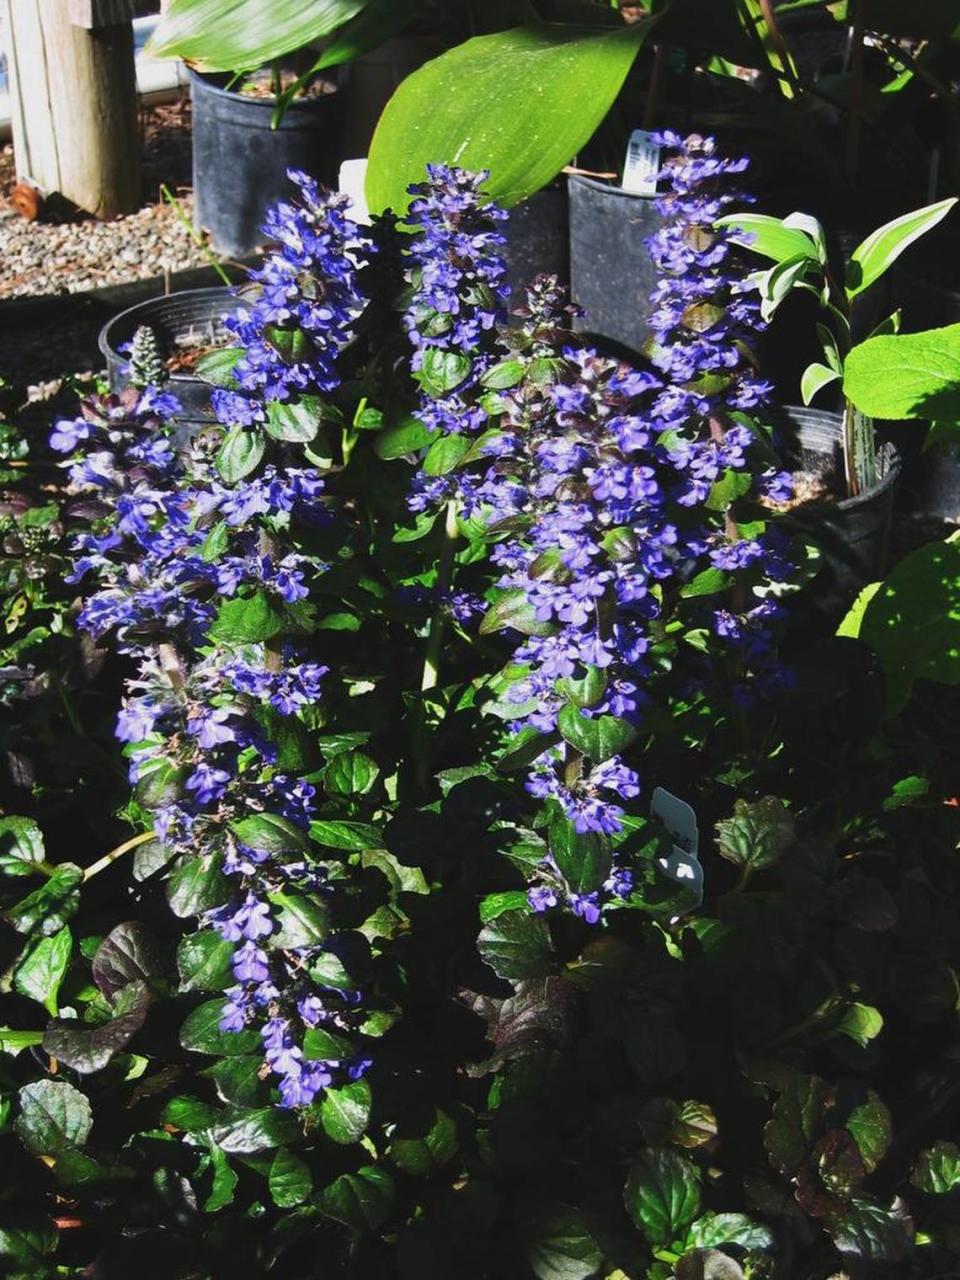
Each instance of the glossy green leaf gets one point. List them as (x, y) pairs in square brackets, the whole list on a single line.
[(815, 377), (473, 107), (294, 421), (241, 453), (224, 1182), (769, 236), (53, 1116), (445, 454), (201, 1033), (558, 1245), (41, 971), (203, 961), (361, 1200), (290, 1181), (90, 1048), (598, 737), (48, 908), (662, 1194), (345, 1111), (797, 1121), (871, 1126), (758, 835), (21, 847), (584, 858), (244, 1132), (512, 610), (301, 921), (336, 834), (516, 944), (235, 35), (423, 1153), (195, 887), (129, 953), (729, 1228), (217, 367), (937, 1170), (875, 255), (402, 438), (350, 774), (269, 833)]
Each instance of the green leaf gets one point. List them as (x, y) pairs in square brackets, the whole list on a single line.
[(345, 1112), (345, 835), (559, 1246), (129, 953), (241, 453), (778, 283), (295, 421), (851, 624), (796, 1122), (758, 834), (361, 1200), (41, 971), (598, 737), (203, 961), (906, 375), (444, 454), (906, 792), (195, 887), (662, 1194), (201, 1033), (516, 944), (443, 371), (248, 620), (861, 1022), (524, 748), (54, 1117), (13, 1042), (912, 622), (472, 107), (224, 1182), (350, 774), (495, 904), (875, 255), (403, 437), (706, 583), (768, 236), (323, 1045), (871, 1127), (48, 908), (90, 1048), (21, 847), (586, 692), (728, 1228), (937, 1169), (584, 859), (869, 1231), (243, 1133), (269, 833), (502, 376), (236, 35), (238, 1079), (512, 610), (290, 1181), (217, 367), (301, 921), (216, 543), (424, 1153), (731, 486), (815, 378)]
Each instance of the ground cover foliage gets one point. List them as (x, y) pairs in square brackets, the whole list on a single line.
[(374, 960)]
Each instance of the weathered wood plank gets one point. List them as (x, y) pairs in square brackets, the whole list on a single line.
[(74, 106)]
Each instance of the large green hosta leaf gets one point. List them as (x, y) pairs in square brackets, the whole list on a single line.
[(237, 35), (519, 103)]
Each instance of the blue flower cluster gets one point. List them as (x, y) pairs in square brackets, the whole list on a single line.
[(600, 485), (174, 548), (457, 273), (299, 307)]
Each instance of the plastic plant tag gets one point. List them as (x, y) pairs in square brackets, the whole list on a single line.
[(642, 165), (353, 176), (682, 866)]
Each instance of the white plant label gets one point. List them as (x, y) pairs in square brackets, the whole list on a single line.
[(353, 176), (683, 865), (642, 166)]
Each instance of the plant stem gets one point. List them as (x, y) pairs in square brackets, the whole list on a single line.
[(272, 651), (109, 858), (431, 665), (193, 233), (855, 117)]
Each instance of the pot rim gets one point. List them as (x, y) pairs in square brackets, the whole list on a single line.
[(143, 309), (337, 76), (829, 417)]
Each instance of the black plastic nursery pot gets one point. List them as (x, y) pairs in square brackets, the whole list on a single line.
[(611, 272), (851, 533), (240, 163), (181, 322), (537, 240)]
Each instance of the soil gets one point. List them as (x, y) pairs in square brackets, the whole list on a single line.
[(260, 84), (809, 487)]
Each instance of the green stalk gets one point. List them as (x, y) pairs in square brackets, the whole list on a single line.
[(431, 665), (193, 233), (109, 858)]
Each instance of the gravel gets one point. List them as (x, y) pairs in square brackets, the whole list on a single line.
[(70, 253)]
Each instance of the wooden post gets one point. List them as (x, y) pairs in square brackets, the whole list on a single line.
[(73, 98)]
